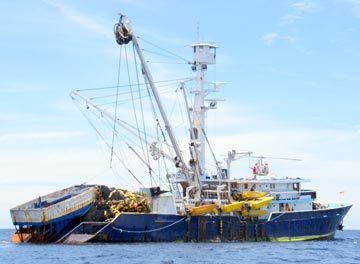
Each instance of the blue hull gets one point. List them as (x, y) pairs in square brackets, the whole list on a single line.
[(287, 226), (307, 225)]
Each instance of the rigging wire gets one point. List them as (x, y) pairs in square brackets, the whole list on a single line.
[(124, 101), (156, 119), (181, 111), (115, 136), (165, 50), (143, 161), (212, 152), (144, 84), (116, 103), (160, 54), (160, 131), (140, 99), (166, 62), (102, 138), (145, 153)]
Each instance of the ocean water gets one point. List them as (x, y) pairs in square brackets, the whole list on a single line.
[(345, 248)]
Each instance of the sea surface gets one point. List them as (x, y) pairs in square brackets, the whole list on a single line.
[(345, 248)]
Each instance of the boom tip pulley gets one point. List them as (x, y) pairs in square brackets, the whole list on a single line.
[(122, 34)]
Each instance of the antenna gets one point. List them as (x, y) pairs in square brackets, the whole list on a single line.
[(198, 32)]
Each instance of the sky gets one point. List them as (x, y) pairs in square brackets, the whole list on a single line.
[(292, 78)]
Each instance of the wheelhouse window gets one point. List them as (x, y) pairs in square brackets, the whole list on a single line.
[(296, 186)]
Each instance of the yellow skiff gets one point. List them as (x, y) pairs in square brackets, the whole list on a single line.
[(202, 209)]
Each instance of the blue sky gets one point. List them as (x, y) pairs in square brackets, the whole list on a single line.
[(291, 68)]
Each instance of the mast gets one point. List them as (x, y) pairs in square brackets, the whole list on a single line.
[(203, 54), (124, 34)]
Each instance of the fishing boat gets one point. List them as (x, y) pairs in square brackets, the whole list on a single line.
[(186, 200), (44, 218)]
